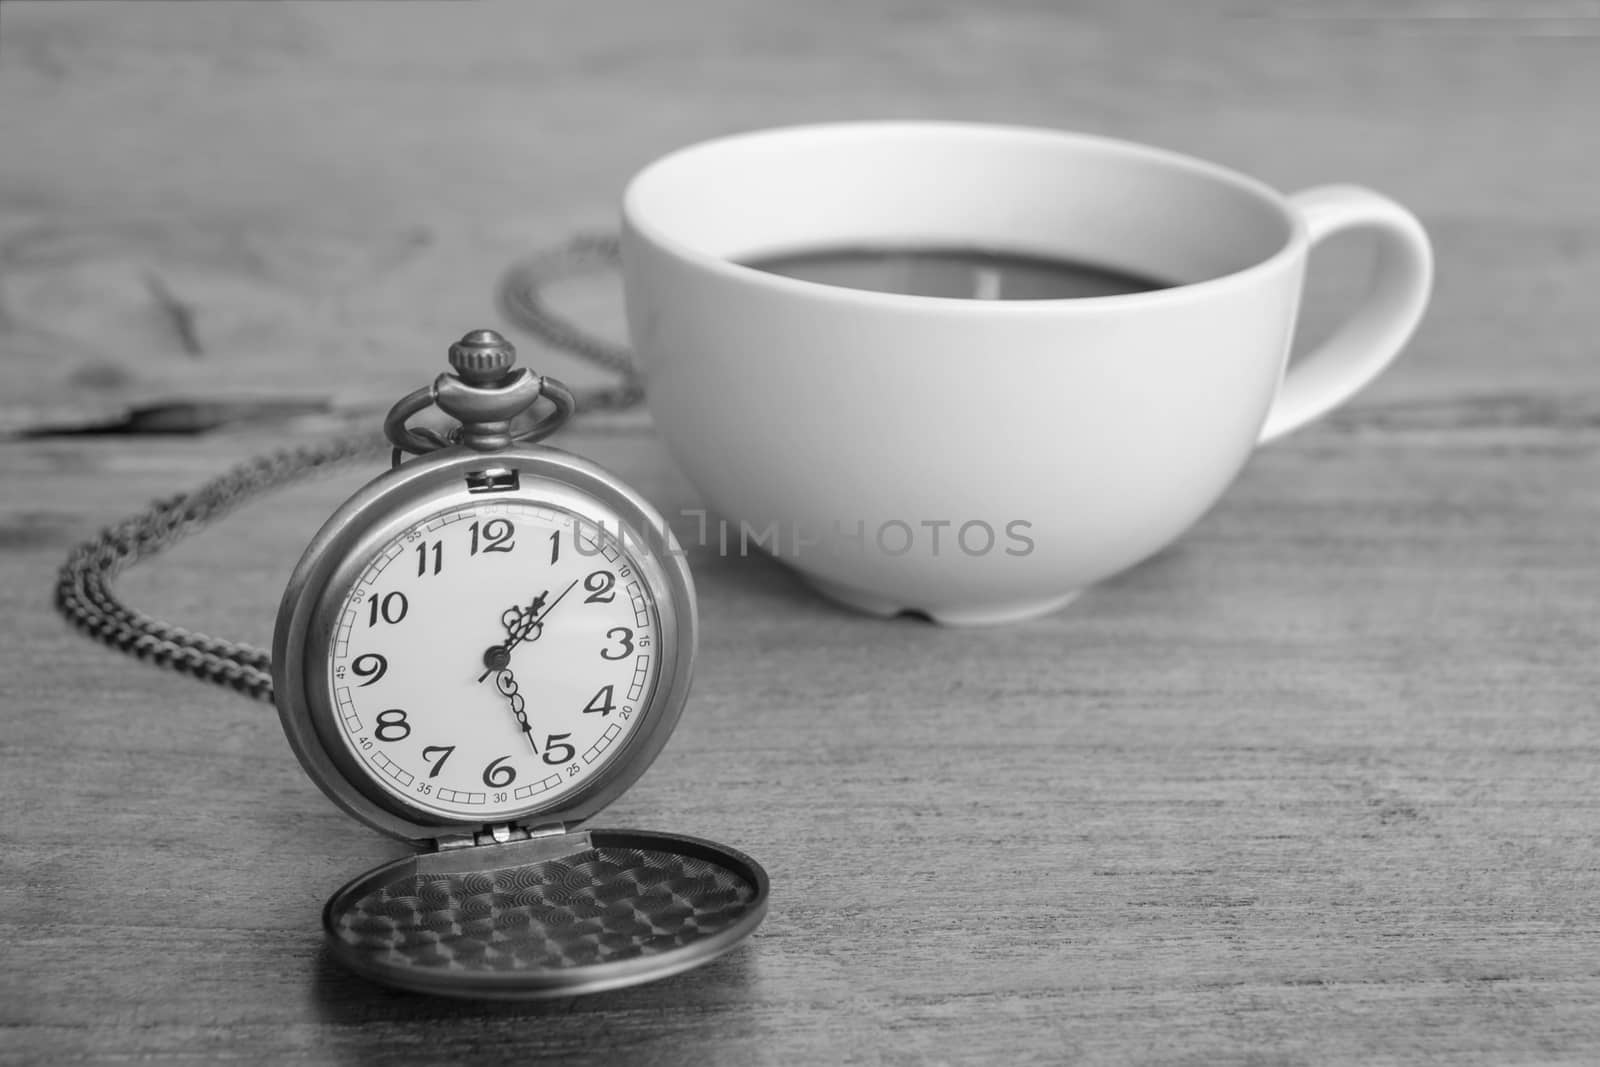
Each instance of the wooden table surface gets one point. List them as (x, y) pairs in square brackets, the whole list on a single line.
[(1321, 784)]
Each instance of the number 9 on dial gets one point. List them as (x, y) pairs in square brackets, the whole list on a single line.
[(456, 656)]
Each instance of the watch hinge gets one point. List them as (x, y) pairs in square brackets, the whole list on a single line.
[(498, 834)]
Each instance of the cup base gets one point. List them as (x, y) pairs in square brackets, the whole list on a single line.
[(986, 615)]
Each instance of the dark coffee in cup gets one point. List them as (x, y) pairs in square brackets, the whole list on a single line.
[(963, 273)]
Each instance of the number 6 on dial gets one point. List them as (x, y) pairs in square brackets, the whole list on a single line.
[(477, 652), (494, 676)]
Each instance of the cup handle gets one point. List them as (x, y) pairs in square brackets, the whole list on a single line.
[(1373, 336)]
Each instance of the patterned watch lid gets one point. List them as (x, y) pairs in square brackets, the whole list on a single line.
[(547, 917)]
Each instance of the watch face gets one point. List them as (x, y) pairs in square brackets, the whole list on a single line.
[(492, 658)]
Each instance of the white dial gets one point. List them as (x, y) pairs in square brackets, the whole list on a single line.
[(493, 657)]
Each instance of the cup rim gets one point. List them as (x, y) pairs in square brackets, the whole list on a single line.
[(1293, 246)]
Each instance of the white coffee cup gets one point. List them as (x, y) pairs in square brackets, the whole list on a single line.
[(1029, 448)]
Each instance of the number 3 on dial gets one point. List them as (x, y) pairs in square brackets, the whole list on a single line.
[(466, 649)]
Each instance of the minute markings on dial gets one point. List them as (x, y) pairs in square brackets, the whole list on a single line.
[(458, 763)]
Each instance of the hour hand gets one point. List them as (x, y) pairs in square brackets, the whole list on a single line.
[(521, 624), (524, 623)]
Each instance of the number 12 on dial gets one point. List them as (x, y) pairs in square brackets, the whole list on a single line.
[(492, 657)]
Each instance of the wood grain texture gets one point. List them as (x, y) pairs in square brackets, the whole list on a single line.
[(1318, 785)]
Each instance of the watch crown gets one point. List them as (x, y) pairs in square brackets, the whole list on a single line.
[(482, 357)]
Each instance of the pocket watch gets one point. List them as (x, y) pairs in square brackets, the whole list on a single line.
[(478, 651)]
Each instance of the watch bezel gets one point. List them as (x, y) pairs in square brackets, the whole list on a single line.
[(382, 509)]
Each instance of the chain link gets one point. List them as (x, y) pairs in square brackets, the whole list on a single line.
[(522, 299), (84, 585)]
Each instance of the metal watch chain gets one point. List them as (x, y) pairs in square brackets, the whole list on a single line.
[(84, 585)]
